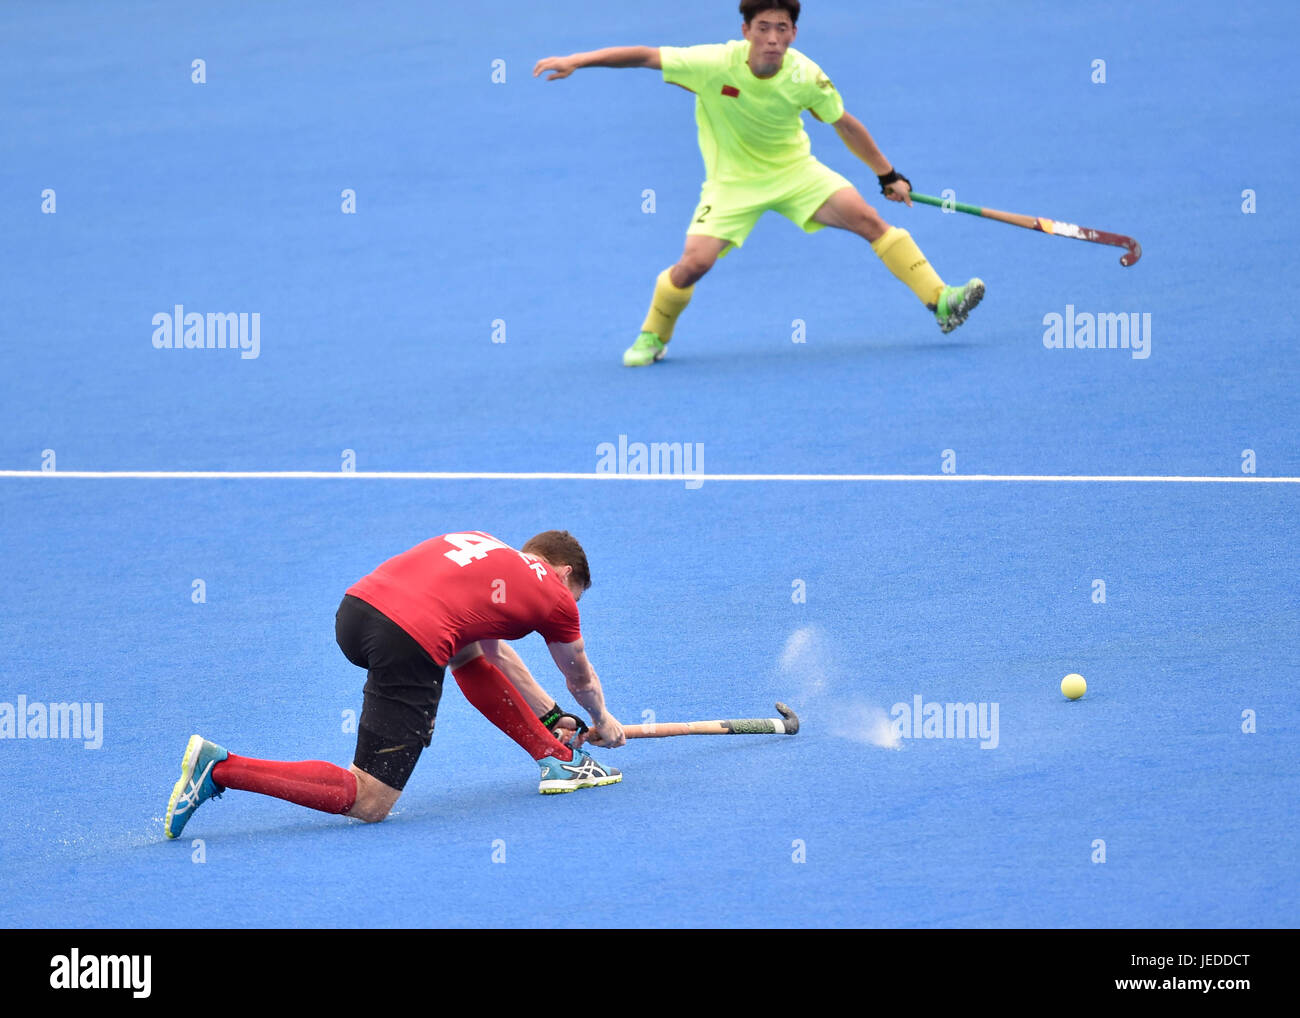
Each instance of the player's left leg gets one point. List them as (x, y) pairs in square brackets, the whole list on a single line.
[(844, 208), (496, 698), (564, 768)]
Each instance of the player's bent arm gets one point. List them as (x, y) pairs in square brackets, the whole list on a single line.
[(583, 683), (580, 676), (858, 140), (612, 56)]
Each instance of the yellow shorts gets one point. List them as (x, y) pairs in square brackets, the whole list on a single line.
[(729, 210)]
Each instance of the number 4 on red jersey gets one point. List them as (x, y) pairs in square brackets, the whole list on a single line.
[(472, 546)]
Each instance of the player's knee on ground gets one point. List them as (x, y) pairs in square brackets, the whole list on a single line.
[(375, 800)]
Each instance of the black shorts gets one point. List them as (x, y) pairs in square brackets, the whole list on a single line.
[(403, 687)]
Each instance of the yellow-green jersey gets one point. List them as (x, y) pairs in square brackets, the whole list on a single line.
[(750, 127)]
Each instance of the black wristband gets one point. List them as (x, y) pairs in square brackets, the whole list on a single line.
[(885, 179), (551, 716)]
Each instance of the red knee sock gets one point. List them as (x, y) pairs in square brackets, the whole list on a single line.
[(487, 688), (311, 783)]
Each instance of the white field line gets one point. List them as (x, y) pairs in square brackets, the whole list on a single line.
[(434, 475)]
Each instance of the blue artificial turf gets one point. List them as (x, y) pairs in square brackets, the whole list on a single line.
[(518, 206)]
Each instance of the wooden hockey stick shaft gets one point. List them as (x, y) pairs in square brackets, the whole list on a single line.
[(1133, 250), (786, 724)]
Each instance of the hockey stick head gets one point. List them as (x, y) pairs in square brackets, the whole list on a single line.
[(791, 719)]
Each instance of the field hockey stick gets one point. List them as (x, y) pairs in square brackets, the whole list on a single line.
[(1057, 229), (786, 724)]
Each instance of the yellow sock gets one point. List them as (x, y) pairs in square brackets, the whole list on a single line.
[(903, 258), (667, 303)]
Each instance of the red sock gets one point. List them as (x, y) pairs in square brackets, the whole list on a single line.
[(311, 783), (487, 688)]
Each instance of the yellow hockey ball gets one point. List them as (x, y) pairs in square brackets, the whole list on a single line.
[(1073, 686)]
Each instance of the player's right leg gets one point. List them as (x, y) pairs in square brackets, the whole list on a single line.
[(722, 220), (208, 770), (403, 687), (698, 256), (400, 704), (673, 289), (375, 800)]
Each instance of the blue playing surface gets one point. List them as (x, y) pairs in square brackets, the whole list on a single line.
[(515, 210)]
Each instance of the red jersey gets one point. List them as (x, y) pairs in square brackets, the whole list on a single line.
[(451, 590)]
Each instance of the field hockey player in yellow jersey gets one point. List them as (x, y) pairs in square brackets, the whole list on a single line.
[(749, 97)]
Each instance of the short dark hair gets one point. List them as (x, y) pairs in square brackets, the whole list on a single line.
[(560, 548), (750, 8)]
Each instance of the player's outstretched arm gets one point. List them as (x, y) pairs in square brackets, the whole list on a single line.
[(858, 140), (613, 56), (571, 659)]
